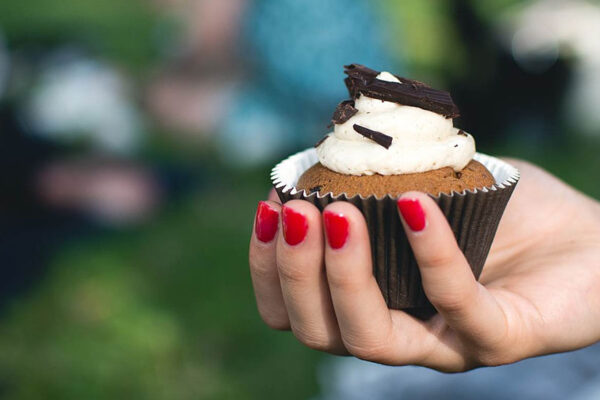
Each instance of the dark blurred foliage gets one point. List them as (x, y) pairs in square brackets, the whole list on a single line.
[(496, 96), (124, 31)]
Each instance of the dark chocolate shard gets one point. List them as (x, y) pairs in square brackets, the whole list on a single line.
[(320, 142), (362, 80), (315, 189), (360, 73), (462, 133), (378, 137), (343, 112)]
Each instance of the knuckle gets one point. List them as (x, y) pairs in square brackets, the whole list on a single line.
[(458, 366), (313, 339), (262, 271), (498, 354), (344, 281), (464, 365), (453, 299), (275, 320), (292, 272), (452, 303), (440, 257), (493, 355), (370, 347), (427, 355), (491, 358), (369, 351)]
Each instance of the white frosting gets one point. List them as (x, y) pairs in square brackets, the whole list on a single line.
[(422, 140)]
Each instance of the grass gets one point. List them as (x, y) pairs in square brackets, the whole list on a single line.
[(121, 31), (164, 312)]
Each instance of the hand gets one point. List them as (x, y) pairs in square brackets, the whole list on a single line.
[(539, 292)]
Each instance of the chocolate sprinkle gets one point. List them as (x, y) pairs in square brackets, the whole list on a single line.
[(362, 80), (343, 112), (320, 142), (462, 133), (378, 137)]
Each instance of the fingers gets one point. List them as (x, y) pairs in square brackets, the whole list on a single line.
[(365, 322), (340, 308), (449, 284), (302, 276), (263, 267)]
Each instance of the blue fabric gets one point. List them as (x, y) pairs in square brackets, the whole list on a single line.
[(574, 376), (303, 45), (295, 52)]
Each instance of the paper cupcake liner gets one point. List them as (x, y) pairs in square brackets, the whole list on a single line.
[(473, 215)]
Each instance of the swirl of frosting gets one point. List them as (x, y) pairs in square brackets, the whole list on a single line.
[(421, 140)]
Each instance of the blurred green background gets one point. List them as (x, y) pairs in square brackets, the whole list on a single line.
[(161, 306)]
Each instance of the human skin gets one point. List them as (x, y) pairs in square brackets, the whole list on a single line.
[(539, 292)]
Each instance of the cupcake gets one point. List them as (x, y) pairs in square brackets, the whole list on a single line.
[(392, 136), (380, 145)]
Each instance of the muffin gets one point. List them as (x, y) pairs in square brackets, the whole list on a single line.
[(392, 136), (382, 145), (319, 178)]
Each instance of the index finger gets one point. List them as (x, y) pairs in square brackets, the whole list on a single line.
[(369, 329)]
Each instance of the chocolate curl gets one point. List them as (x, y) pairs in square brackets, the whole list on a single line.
[(343, 112), (362, 80), (378, 137)]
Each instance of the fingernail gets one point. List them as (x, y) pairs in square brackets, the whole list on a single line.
[(266, 223), (336, 228), (413, 213), (295, 226)]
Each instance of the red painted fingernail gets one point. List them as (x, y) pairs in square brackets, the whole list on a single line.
[(266, 223), (295, 226), (336, 228), (413, 213)]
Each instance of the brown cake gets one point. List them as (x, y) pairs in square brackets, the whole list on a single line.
[(443, 180)]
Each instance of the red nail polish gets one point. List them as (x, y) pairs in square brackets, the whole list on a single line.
[(266, 222), (336, 228), (413, 213), (295, 226)]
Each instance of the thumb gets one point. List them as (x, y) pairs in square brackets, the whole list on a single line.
[(447, 279)]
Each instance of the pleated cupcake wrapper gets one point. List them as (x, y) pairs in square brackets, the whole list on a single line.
[(473, 215)]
